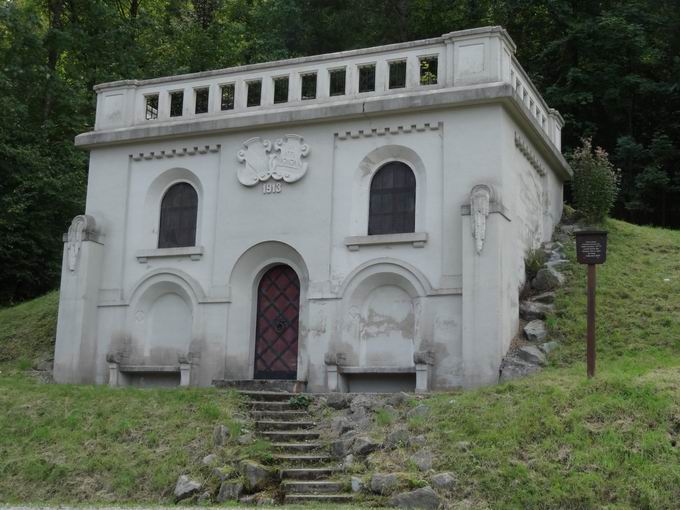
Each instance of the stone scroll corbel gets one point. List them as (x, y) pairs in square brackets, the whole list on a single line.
[(480, 200), (83, 228)]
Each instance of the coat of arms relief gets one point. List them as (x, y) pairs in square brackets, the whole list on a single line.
[(285, 163)]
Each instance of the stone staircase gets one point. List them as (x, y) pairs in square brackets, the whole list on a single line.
[(306, 470)]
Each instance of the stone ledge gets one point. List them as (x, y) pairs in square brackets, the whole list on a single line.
[(376, 370), (418, 239), (193, 252), (149, 369)]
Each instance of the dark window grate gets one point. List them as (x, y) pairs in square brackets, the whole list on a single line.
[(367, 78), (281, 90), (254, 93), (176, 103), (202, 96), (392, 205), (152, 107), (337, 82), (398, 74), (227, 99), (308, 86), (428, 70), (179, 209)]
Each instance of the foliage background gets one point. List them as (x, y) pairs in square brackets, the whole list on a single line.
[(612, 68)]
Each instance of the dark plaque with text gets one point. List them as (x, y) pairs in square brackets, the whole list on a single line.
[(591, 246)]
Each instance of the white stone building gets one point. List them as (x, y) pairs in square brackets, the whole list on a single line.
[(355, 221)]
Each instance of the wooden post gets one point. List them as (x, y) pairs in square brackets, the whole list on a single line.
[(590, 348), (591, 249)]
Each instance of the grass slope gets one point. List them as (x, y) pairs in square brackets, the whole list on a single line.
[(66, 444), (555, 440)]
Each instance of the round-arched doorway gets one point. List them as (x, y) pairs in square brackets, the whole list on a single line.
[(277, 321)]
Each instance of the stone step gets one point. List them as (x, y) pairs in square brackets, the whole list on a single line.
[(279, 415), (268, 396), (307, 473), (298, 447), (280, 385), (271, 406), (280, 436), (312, 487), (283, 425), (301, 459), (318, 498)]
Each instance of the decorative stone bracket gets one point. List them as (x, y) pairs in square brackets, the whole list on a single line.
[(83, 228), (483, 201)]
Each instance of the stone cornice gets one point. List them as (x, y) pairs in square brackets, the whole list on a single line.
[(440, 98)]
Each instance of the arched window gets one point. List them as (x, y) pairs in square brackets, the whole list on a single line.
[(178, 216), (392, 206)]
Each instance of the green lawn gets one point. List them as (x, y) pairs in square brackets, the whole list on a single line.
[(66, 444), (552, 441)]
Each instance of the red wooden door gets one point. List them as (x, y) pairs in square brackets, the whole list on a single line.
[(276, 335)]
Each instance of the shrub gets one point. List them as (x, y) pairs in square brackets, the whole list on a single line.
[(596, 182), (533, 261)]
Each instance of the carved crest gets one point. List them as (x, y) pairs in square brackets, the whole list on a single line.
[(256, 161), (259, 164), (287, 163), (480, 199), (81, 229)]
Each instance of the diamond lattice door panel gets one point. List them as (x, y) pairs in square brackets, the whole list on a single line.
[(276, 338)]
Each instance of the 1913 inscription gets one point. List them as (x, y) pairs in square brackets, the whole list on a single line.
[(591, 246)]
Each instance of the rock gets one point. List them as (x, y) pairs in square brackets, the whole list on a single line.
[(363, 445), (265, 501), (536, 331), (340, 425), (532, 354), (248, 500), (549, 346), (230, 491), (419, 410), (348, 462), (341, 447), (363, 403), (545, 297), (530, 311), (556, 263), (424, 498), (547, 278), (185, 487), (257, 477), (357, 484), (222, 473), (423, 459), (568, 229), (419, 440), (220, 435), (246, 438), (209, 460), (513, 367), (397, 399), (463, 446), (384, 484), (396, 438), (204, 498), (337, 401), (443, 481)]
